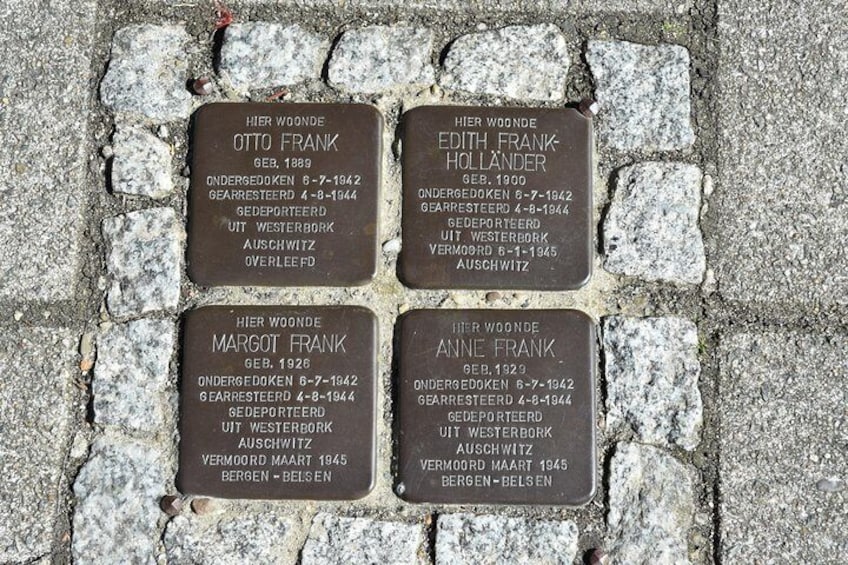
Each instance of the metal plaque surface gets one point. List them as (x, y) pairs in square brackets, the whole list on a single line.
[(284, 194), (496, 198), (496, 407), (278, 402)]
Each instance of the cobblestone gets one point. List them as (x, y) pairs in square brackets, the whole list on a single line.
[(117, 513), (147, 73), (652, 372), (142, 164), (335, 540), (253, 538), (381, 58), (651, 230), (265, 55), (643, 92), (144, 261), (651, 506), (468, 539), (132, 373), (520, 62)]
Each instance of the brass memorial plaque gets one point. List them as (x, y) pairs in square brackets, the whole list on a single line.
[(278, 402), (496, 407), (496, 198), (284, 194)]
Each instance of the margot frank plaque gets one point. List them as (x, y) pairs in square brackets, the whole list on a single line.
[(278, 402)]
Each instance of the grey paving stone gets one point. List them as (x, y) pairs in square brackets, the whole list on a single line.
[(142, 163), (254, 538), (132, 374), (36, 373), (466, 539), (264, 55), (525, 62), (651, 506), (651, 230), (335, 540), (117, 512), (547, 7), (144, 261), (380, 58), (147, 73), (783, 430), (652, 370), (643, 92), (778, 215), (44, 100)]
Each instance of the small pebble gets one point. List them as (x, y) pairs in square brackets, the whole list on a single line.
[(708, 186), (202, 86), (493, 296), (171, 504), (598, 556), (392, 246), (831, 484), (202, 506), (18, 316), (163, 132), (589, 107), (86, 347), (108, 151)]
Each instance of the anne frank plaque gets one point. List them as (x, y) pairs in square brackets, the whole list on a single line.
[(496, 198), (284, 194), (278, 402), (496, 407)]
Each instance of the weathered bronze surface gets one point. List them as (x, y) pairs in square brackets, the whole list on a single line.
[(278, 402), (496, 407), (496, 198), (284, 194)]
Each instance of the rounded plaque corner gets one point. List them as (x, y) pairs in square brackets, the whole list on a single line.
[(584, 280), (407, 276), (366, 490), (412, 112), (584, 316), (205, 108), (400, 491), (375, 112), (587, 497), (413, 314), (183, 485), (367, 276), (196, 275), (367, 312)]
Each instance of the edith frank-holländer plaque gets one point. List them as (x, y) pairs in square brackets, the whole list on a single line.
[(496, 198), (496, 407), (278, 402), (284, 194)]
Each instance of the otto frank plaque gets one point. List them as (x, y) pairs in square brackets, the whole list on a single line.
[(496, 198), (278, 402), (497, 407), (284, 194)]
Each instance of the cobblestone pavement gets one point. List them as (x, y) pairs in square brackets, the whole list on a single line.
[(719, 283)]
